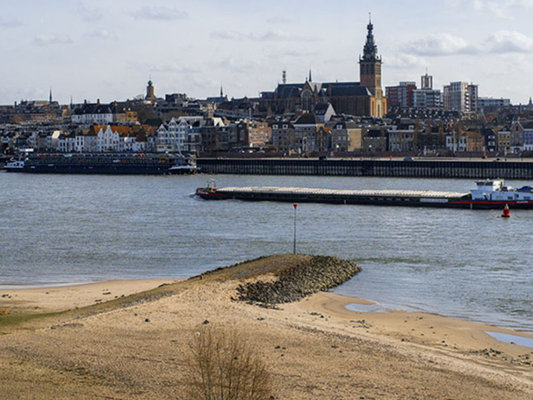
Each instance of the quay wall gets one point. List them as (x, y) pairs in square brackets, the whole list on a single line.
[(377, 168)]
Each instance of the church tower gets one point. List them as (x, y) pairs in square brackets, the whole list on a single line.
[(370, 73), (150, 96)]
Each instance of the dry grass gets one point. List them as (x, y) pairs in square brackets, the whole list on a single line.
[(223, 365)]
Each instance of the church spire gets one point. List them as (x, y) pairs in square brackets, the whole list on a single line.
[(310, 77), (370, 51), (50, 98)]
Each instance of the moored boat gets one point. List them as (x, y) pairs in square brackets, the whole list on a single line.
[(103, 163), (183, 169)]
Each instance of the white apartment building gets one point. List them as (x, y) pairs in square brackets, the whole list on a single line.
[(179, 135), (107, 141), (427, 98), (461, 96)]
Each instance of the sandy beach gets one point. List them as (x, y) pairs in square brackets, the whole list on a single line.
[(59, 298), (128, 340)]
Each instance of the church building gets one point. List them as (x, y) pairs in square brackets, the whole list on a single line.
[(364, 98)]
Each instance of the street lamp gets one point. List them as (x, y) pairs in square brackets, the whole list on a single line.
[(294, 239)]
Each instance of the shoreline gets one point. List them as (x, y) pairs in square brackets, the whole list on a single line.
[(131, 286), (44, 299), (136, 346), (390, 322), (71, 296)]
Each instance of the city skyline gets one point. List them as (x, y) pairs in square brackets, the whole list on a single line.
[(108, 50)]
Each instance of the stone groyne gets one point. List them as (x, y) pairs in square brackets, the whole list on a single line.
[(371, 168), (295, 282)]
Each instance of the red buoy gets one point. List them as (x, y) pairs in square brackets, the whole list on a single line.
[(506, 213)]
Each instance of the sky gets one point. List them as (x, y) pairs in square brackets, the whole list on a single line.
[(109, 49)]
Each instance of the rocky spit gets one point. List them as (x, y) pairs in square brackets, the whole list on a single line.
[(293, 283)]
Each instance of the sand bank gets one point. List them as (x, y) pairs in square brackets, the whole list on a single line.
[(59, 298), (315, 348)]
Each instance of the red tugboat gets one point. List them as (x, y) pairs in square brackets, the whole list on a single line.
[(210, 192)]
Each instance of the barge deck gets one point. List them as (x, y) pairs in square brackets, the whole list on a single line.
[(417, 198)]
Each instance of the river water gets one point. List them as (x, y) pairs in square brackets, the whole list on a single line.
[(58, 229)]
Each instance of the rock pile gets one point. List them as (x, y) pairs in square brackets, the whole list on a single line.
[(294, 283)]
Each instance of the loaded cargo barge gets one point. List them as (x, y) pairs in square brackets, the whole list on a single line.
[(103, 163), (489, 194)]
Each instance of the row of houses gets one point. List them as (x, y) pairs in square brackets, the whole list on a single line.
[(346, 134), (184, 134), (290, 134)]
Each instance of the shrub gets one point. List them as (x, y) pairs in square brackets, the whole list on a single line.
[(223, 365)]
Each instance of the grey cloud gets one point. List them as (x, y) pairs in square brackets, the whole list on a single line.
[(103, 34), (499, 9), (509, 42), (237, 65), (445, 45), (279, 20), (404, 61), (228, 35), (89, 14), (45, 40), (268, 36), (9, 23), (503, 9), (160, 13), (442, 44), (165, 68), (294, 53)]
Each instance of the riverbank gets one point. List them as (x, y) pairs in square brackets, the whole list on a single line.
[(60, 298), (133, 346)]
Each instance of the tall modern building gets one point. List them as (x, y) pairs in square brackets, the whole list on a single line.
[(426, 97), (461, 96), (400, 95), (426, 82)]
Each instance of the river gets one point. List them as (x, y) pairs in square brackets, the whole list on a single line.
[(60, 229)]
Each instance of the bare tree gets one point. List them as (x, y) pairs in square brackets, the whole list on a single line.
[(223, 365)]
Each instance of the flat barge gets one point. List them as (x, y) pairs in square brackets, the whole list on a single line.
[(103, 163), (489, 194)]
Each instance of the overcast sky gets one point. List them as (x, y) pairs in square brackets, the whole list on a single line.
[(108, 49)]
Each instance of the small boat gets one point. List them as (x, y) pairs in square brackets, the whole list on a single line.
[(183, 169), (101, 163)]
